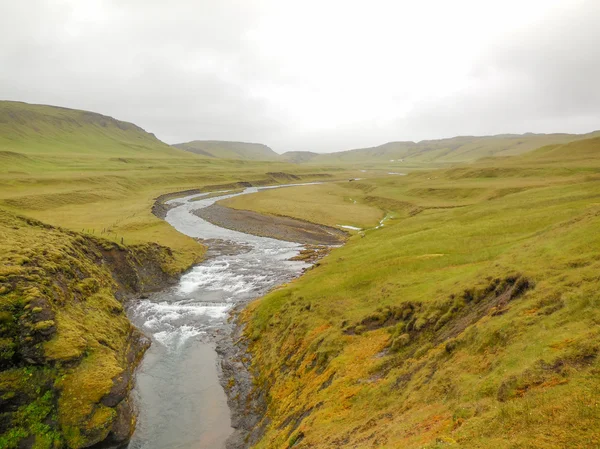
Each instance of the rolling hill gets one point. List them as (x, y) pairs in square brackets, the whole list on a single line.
[(230, 150), (581, 150), (468, 320), (298, 157), (452, 150), (51, 130)]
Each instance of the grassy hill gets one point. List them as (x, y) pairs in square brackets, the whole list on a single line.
[(453, 150), (39, 129), (469, 319), (576, 152), (394, 155), (230, 150), (298, 157)]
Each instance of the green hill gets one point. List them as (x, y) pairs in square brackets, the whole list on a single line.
[(432, 153), (582, 150), (230, 150), (470, 319), (298, 157), (40, 129), (453, 150)]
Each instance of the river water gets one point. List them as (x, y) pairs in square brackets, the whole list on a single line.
[(181, 403)]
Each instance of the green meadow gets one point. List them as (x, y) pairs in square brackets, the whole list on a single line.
[(470, 319)]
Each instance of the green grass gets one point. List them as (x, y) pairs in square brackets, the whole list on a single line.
[(468, 320), (65, 334), (330, 204), (397, 156), (230, 150)]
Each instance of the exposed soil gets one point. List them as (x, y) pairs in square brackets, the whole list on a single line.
[(280, 228)]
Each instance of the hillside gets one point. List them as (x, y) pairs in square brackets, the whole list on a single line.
[(453, 150), (397, 155), (298, 157), (51, 130), (469, 319), (83, 170), (578, 151), (230, 150)]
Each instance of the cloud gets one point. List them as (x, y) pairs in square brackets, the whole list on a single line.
[(310, 75), (541, 79)]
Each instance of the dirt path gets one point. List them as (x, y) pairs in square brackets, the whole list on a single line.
[(281, 228)]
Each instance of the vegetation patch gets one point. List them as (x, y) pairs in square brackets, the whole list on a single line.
[(469, 326)]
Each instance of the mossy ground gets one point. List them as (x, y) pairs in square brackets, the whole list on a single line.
[(64, 334), (470, 319)]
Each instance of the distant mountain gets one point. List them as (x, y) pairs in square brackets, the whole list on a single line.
[(456, 149), (298, 157), (30, 128), (230, 150), (580, 150)]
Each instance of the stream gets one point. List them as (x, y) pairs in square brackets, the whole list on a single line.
[(180, 400)]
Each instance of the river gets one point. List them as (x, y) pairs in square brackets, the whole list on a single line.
[(180, 400)]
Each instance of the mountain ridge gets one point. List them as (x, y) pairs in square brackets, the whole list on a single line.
[(225, 149), (35, 128)]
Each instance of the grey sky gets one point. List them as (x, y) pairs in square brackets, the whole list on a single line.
[(314, 75)]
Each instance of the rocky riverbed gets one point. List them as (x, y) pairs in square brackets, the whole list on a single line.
[(194, 386), (280, 228)]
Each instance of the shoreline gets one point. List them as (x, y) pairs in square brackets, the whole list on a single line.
[(276, 227), (247, 404)]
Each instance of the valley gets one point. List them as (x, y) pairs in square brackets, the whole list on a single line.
[(455, 306)]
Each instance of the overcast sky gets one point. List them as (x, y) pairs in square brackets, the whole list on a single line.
[(320, 75)]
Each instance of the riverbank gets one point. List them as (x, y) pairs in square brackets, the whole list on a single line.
[(190, 319), (280, 228), (69, 355)]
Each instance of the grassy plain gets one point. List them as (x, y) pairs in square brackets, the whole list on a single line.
[(471, 319), (329, 204)]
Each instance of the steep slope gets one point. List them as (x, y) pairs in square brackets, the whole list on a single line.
[(469, 319), (67, 349), (456, 149), (40, 129), (230, 150)]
